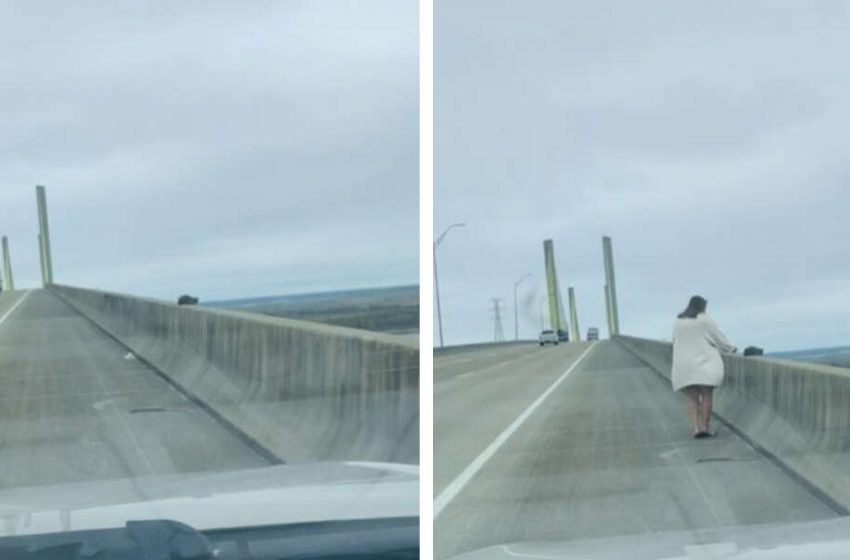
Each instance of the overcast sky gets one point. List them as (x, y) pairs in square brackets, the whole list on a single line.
[(220, 148), (709, 139)]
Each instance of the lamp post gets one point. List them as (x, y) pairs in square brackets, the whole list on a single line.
[(436, 278), (516, 316)]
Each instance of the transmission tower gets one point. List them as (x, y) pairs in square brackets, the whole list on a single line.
[(498, 332)]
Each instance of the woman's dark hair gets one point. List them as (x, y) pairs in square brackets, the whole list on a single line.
[(695, 307)]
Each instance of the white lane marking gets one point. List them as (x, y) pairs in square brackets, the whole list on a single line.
[(15, 306), (454, 488)]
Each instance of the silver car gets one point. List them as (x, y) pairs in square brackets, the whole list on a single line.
[(548, 337)]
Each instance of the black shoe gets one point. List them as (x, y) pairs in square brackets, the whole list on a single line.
[(703, 435)]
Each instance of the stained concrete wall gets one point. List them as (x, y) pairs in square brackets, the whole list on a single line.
[(304, 391), (799, 413)]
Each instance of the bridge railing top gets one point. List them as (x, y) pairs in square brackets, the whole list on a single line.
[(809, 366), (319, 328)]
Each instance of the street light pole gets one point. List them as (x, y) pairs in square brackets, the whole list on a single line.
[(437, 280), (516, 316)]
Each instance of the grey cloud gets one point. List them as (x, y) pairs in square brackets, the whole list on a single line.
[(266, 146), (697, 120), (705, 139)]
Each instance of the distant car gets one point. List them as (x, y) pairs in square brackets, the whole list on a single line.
[(186, 299), (592, 333), (563, 336), (548, 337)]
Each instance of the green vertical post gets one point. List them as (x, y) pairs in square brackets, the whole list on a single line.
[(611, 286), (41, 259), (8, 279), (44, 235), (562, 314), (552, 284), (575, 333)]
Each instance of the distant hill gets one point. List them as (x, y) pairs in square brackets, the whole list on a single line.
[(390, 310), (834, 356)]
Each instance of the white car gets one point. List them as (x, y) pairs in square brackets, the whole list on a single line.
[(308, 510), (548, 337)]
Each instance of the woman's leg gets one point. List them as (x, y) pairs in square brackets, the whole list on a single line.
[(692, 394), (705, 407)]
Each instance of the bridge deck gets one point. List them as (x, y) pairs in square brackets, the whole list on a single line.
[(607, 453), (73, 408)]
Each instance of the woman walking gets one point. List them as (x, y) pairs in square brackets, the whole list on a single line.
[(697, 364)]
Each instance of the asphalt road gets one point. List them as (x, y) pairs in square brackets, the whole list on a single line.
[(478, 393), (607, 452), (74, 408)]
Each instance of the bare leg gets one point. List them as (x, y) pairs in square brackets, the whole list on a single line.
[(705, 407), (692, 394)]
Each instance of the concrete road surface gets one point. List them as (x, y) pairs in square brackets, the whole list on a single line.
[(608, 452), (74, 408)]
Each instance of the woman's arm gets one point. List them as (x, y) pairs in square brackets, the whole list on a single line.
[(716, 336)]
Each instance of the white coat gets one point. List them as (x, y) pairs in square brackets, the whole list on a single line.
[(697, 344)]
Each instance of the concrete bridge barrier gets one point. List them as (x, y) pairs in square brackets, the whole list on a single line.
[(303, 391), (798, 413), (463, 348)]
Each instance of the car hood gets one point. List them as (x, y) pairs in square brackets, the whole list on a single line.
[(215, 500), (819, 540)]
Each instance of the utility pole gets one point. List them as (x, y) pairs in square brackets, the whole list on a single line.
[(498, 332), (516, 313)]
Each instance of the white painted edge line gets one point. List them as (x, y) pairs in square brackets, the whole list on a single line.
[(15, 306), (454, 488)]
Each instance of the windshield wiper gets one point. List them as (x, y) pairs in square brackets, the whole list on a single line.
[(137, 540)]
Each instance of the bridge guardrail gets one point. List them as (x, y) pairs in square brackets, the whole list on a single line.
[(303, 391), (461, 348)]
